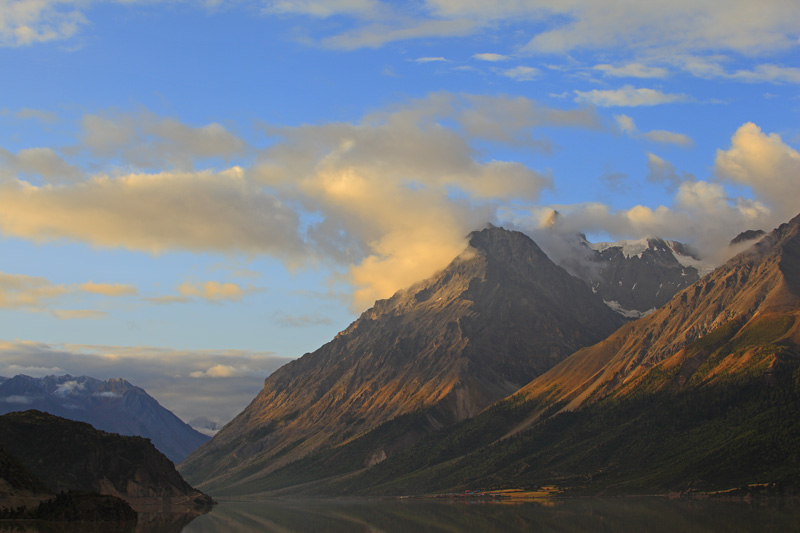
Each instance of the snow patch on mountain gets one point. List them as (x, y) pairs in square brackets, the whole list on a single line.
[(629, 313), (629, 248)]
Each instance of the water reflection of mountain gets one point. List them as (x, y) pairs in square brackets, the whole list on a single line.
[(617, 514), (153, 521)]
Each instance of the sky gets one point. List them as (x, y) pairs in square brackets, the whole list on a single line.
[(192, 193)]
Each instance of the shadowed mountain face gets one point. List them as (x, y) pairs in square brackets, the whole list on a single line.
[(635, 277), (68, 455), (113, 405), (499, 315)]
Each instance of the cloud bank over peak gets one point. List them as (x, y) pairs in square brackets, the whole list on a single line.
[(760, 161)]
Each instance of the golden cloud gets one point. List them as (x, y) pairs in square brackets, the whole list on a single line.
[(212, 290), (196, 211), (108, 289)]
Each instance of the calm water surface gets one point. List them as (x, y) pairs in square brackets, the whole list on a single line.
[(613, 514), (594, 515)]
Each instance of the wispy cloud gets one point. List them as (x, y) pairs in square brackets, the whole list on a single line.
[(108, 289), (213, 291), (628, 96), (19, 291), (430, 60), (521, 73), (631, 70), (78, 314), (491, 57), (628, 126)]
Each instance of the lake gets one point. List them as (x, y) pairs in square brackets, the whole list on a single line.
[(591, 514), (631, 514)]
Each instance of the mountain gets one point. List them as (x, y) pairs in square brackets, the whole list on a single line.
[(114, 405), (635, 277), (441, 351), (68, 455), (748, 236), (703, 395)]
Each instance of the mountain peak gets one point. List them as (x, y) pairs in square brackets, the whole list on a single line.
[(498, 315)]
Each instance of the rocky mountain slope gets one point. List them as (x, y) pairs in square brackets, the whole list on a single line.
[(114, 405), (446, 348), (701, 395), (635, 277), (68, 455)]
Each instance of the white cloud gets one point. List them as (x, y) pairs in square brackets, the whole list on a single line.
[(628, 126), (628, 96), (521, 73), (715, 67), (669, 26), (766, 164), (770, 73), (491, 57), (660, 171), (43, 162), (323, 8), (26, 22), (668, 137), (377, 34), (148, 141), (220, 371), (761, 161), (632, 70), (16, 399), (68, 388), (430, 60), (26, 113)]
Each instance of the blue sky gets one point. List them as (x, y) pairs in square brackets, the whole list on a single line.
[(194, 190)]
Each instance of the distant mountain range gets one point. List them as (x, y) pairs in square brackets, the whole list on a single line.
[(114, 405), (700, 395)]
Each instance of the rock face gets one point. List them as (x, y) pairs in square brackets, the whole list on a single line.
[(68, 455), (758, 291), (636, 277), (114, 405), (500, 314), (748, 236)]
